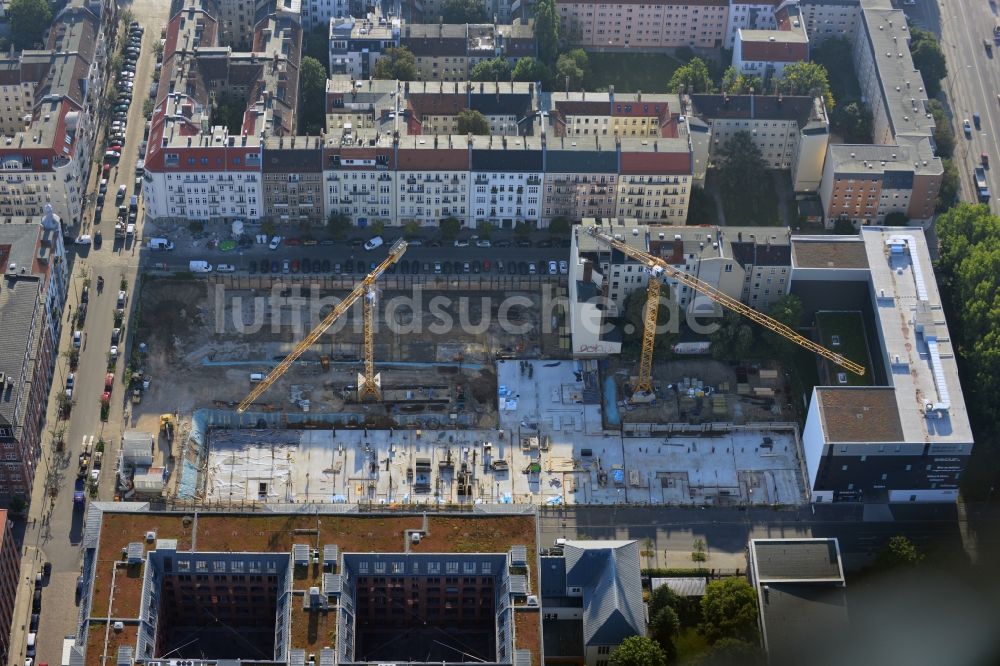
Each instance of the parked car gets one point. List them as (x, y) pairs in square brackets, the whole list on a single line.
[(967, 128), (275, 242), (275, 267), (563, 267), (484, 242), (461, 242), (109, 382), (524, 242), (70, 384), (374, 242), (977, 121), (984, 158), (553, 268)]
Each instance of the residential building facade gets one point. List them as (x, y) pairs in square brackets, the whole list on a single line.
[(766, 53), (292, 180), (644, 25), (10, 572), (449, 52)]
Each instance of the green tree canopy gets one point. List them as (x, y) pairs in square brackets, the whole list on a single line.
[(312, 93), (736, 83), (664, 627), (731, 652), (729, 610), (896, 219), (692, 77), (547, 31), (530, 70), (471, 121), (338, 224), (635, 319), (898, 552), (559, 226), (450, 226), (497, 69), (573, 65), (316, 44), (948, 194), (743, 174), (464, 11), (806, 78), (638, 651), (396, 63), (787, 310), (734, 338), (929, 59), (944, 134), (29, 19), (853, 121)]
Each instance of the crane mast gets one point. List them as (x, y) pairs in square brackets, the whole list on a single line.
[(366, 284), (658, 268)]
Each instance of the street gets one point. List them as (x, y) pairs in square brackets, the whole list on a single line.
[(972, 85), (54, 526)]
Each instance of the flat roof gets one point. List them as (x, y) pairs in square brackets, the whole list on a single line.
[(860, 414), (832, 252), (811, 560), (120, 524), (915, 336), (802, 618)]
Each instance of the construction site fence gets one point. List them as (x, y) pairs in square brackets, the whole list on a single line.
[(471, 282), (705, 429), (307, 508)]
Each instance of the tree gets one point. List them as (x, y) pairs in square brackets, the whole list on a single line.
[(312, 93), (853, 121), (317, 44), (734, 338), (662, 597), (638, 651), (471, 121), (396, 63), (497, 69), (530, 70), (948, 193), (338, 224), (693, 77), (573, 65), (896, 219), (450, 226), (788, 311), (929, 59), (411, 229), (664, 626), (736, 83), (485, 229), (464, 11), (944, 135), (635, 321), (378, 226), (806, 78), (701, 207), (729, 610), (29, 19), (743, 175), (899, 552), (522, 230), (732, 652), (559, 226), (844, 227), (547, 31)]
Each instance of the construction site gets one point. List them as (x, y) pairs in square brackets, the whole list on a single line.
[(288, 394)]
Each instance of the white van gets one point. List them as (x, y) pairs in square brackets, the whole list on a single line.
[(30, 652), (256, 377), (197, 266), (160, 244), (374, 243), (225, 268)]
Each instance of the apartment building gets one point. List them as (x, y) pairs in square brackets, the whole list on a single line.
[(360, 180), (31, 305), (236, 19), (614, 114), (432, 179), (766, 53), (506, 178), (905, 437), (901, 173), (791, 132), (48, 127), (751, 264), (824, 19), (449, 52), (345, 612), (10, 572), (357, 44), (580, 178), (653, 186), (749, 16), (196, 171), (644, 25), (292, 180), (323, 12), (510, 108)]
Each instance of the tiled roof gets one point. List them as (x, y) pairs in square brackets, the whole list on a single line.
[(775, 51), (761, 107)]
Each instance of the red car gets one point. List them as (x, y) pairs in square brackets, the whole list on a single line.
[(106, 398), (109, 383), (106, 170), (292, 241), (486, 265), (295, 265)]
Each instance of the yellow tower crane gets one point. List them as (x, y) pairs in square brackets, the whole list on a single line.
[(365, 287), (658, 269)]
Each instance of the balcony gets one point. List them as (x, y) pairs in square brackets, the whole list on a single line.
[(534, 180), (415, 189)]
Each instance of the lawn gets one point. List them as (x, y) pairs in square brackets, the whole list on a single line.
[(849, 330), (630, 72), (805, 376), (738, 214)]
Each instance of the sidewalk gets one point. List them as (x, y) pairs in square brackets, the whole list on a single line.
[(31, 563)]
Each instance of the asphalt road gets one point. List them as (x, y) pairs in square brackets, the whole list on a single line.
[(54, 526), (972, 84)]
